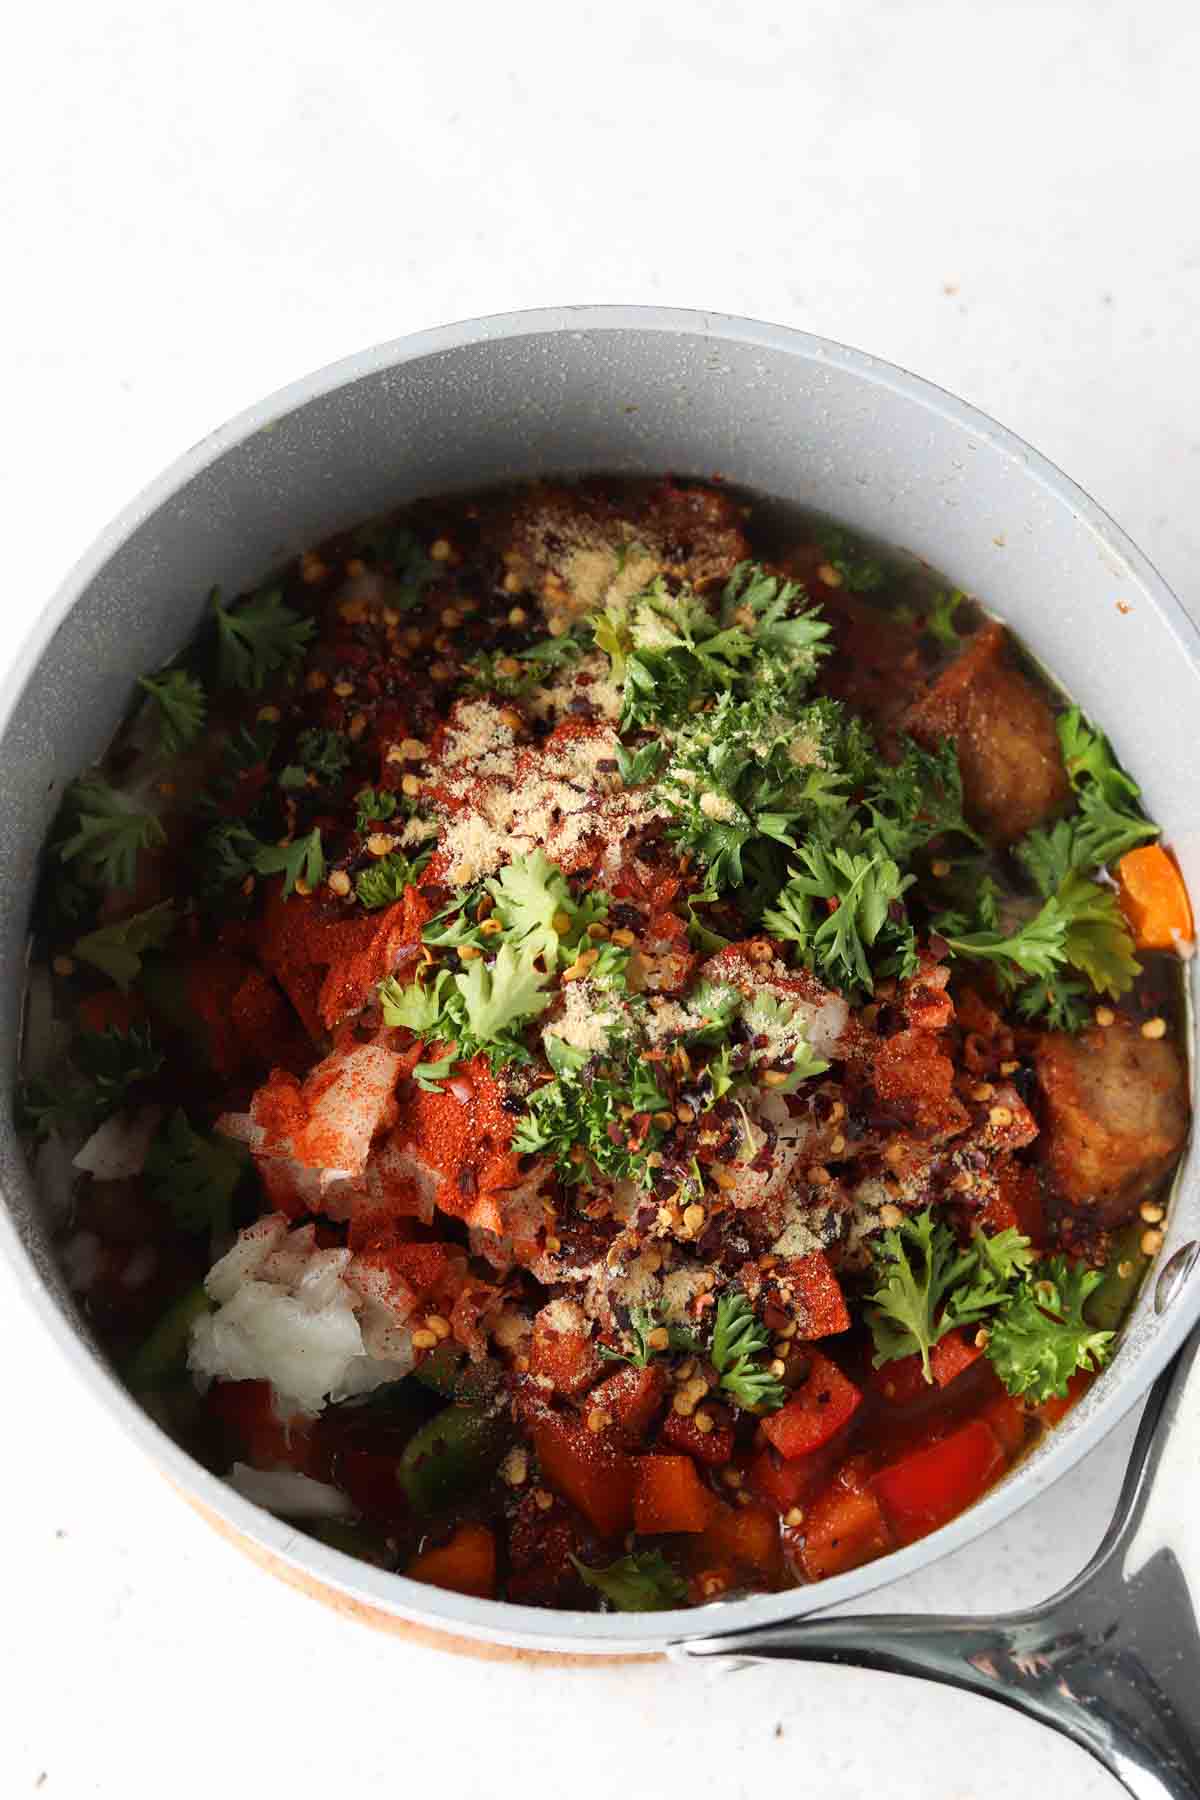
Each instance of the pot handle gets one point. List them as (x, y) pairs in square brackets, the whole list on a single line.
[(1112, 1660)]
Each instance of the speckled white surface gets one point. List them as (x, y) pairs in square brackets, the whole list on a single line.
[(200, 203)]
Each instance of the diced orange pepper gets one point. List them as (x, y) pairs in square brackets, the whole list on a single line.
[(1153, 898), (842, 1530), (568, 1359), (713, 1447), (747, 1536), (1009, 1420), (632, 1397), (788, 1484), (466, 1565), (588, 1470), (668, 1495), (823, 1310)]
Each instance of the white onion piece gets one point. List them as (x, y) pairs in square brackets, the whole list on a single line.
[(290, 1494), (117, 1149)]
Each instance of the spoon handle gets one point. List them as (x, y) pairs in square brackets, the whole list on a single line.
[(1112, 1660)]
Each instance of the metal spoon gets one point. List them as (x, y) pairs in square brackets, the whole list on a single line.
[(1112, 1660)]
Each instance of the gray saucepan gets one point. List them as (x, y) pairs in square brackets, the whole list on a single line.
[(577, 390)]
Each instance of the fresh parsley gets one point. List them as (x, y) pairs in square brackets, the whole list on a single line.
[(117, 949), (642, 1581), (374, 806), (106, 1067), (109, 832), (385, 881), (1042, 1338), (484, 1007), (739, 1341), (180, 704), (838, 905), (939, 620), (644, 1320), (300, 861), (257, 638), (860, 571), (195, 1175), (324, 754)]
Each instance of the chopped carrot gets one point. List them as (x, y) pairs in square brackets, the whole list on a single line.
[(1153, 898), (466, 1565), (668, 1496)]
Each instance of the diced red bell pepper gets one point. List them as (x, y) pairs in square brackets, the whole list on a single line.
[(587, 1469), (713, 1447), (842, 1530), (1016, 1203), (931, 1486), (788, 1484), (111, 1010), (821, 1305), (747, 1536), (247, 1409), (952, 1355), (466, 1565), (668, 1495), (820, 1406), (632, 1397), (369, 1476), (1059, 1405)]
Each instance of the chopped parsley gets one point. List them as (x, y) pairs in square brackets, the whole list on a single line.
[(860, 571), (195, 1175), (939, 620), (117, 949), (106, 1067), (384, 881), (323, 754), (257, 638), (375, 806), (739, 1342), (109, 832), (180, 703), (300, 861), (483, 1007), (1031, 1311), (642, 1581)]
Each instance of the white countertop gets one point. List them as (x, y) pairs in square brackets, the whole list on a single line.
[(200, 203)]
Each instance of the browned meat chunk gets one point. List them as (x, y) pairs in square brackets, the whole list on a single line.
[(1115, 1115), (579, 548), (1013, 776), (875, 668)]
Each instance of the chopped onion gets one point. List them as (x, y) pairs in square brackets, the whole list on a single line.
[(290, 1494)]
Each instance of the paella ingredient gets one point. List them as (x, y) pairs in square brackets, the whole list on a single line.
[(642, 1581), (465, 1565), (1154, 899)]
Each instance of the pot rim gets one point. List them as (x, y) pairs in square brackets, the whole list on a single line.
[(500, 1622)]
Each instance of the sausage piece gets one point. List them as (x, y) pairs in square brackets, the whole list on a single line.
[(1115, 1114), (1013, 776)]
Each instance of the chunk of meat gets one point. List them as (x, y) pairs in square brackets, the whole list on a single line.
[(328, 964), (875, 667), (1116, 1115), (1012, 770), (327, 1121)]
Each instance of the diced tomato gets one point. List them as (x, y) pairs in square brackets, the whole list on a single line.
[(466, 1565), (842, 1530), (713, 1447), (820, 1406), (370, 1479), (588, 1469), (822, 1307), (952, 1355), (931, 1486), (569, 1359), (747, 1536), (668, 1496), (632, 1397)]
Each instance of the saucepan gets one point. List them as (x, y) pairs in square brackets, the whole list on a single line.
[(802, 421)]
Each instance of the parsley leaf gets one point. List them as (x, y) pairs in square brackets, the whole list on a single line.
[(1041, 1338), (396, 551), (588, 1111), (195, 1175), (108, 1065), (258, 638), (499, 994), (117, 949), (374, 805), (738, 1341), (325, 754), (643, 1320), (109, 832), (642, 1581), (416, 1008), (1097, 939), (859, 571), (1037, 947), (919, 1264), (637, 767), (181, 705), (939, 620), (385, 881), (302, 860), (1063, 1004), (533, 902), (837, 904), (917, 799)]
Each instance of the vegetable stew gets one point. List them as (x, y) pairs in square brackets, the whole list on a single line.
[(598, 1047)]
